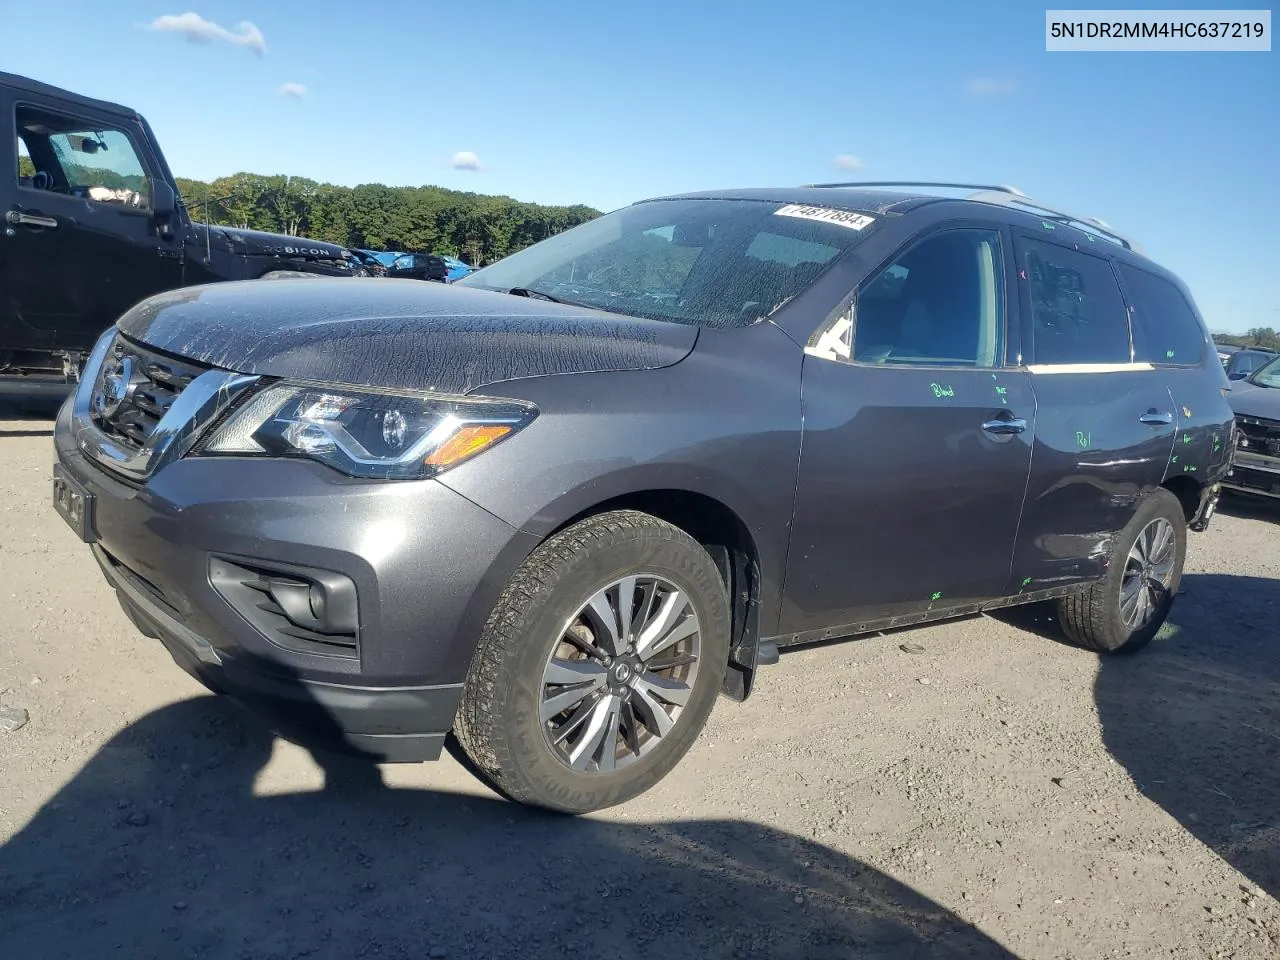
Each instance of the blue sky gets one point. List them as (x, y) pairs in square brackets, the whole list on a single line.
[(606, 103)]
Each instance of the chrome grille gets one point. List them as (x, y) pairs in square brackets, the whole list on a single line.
[(135, 388), (137, 410)]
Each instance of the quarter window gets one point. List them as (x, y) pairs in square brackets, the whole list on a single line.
[(1077, 313), (1165, 329), (940, 303), (67, 156)]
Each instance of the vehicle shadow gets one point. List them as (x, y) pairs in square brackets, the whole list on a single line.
[(26, 410), (1249, 507), (1195, 718), (161, 847)]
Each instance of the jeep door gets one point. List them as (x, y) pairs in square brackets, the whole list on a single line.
[(80, 242), (1106, 426), (917, 442)]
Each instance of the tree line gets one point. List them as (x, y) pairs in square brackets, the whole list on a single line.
[(476, 227), (1254, 337)]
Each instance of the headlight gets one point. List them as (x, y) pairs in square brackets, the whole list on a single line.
[(367, 433)]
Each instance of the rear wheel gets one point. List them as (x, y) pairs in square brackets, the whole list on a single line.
[(599, 665), (1124, 611)]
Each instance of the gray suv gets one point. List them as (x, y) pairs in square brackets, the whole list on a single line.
[(557, 508)]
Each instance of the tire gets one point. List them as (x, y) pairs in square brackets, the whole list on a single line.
[(546, 611), (1094, 619)]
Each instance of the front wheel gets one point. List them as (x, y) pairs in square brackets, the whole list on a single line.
[(599, 665), (1124, 610)]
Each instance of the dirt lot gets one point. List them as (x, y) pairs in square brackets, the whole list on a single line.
[(998, 793)]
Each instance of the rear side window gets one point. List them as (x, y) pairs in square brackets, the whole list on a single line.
[(1077, 313), (1165, 329)]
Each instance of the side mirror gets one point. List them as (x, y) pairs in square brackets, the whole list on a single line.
[(164, 200), (1236, 375)]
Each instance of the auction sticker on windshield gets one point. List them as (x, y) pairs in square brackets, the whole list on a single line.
[(841, 218)]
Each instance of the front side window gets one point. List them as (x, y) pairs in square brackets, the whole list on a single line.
[(1077, 313), (68, 156), (939, 304), (1165, 330), (719, 263)]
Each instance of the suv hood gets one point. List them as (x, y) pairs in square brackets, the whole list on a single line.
[(1250, 400), (396, 333), (255, 243)]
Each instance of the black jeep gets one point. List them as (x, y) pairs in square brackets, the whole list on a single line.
[(93, 223)]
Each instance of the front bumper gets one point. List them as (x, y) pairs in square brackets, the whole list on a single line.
[(1254, 473), (426, 563)]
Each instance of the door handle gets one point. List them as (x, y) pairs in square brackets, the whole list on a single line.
[(1154, 418), (1005, 428), (17, 218)]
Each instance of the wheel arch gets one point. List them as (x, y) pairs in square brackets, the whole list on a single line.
[(726, 537), (1189, 493)]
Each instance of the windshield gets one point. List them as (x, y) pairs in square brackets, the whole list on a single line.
[(1268, 375), (718, 263)]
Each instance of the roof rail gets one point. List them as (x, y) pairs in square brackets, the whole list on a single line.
[(1056, 215), (923, 183), (1006, 196)]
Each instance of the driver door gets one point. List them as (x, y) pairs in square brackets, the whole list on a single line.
[(80, 243)]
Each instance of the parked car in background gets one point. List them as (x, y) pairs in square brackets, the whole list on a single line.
[(1244, 362), (94, 223), (457, 269), (1225, 350), (1255, 467), (560, 505), (369, 261), (419, 266)]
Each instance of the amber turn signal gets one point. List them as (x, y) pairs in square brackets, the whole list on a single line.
[(467, 442)]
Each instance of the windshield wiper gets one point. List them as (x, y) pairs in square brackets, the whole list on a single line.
[(533, 294)]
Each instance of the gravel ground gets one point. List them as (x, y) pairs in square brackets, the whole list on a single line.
[(995, 793)]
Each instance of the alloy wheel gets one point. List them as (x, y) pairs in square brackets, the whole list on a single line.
[(1148, 571), (620, 674)]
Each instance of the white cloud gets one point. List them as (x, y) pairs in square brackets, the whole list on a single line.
[(465, 160), (989, 87), (294, 90), (196, 29), (847, 161)]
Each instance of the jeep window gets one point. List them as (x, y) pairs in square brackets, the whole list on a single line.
[(26, 169), (940, 303), (70, 157), (720, 263), (1077, 313), (1165, 329)]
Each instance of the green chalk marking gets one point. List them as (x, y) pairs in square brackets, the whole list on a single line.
[(1083, 440), (940, 391)]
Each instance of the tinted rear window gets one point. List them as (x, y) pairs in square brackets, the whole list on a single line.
[(1077, 313), (1165, 329)]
